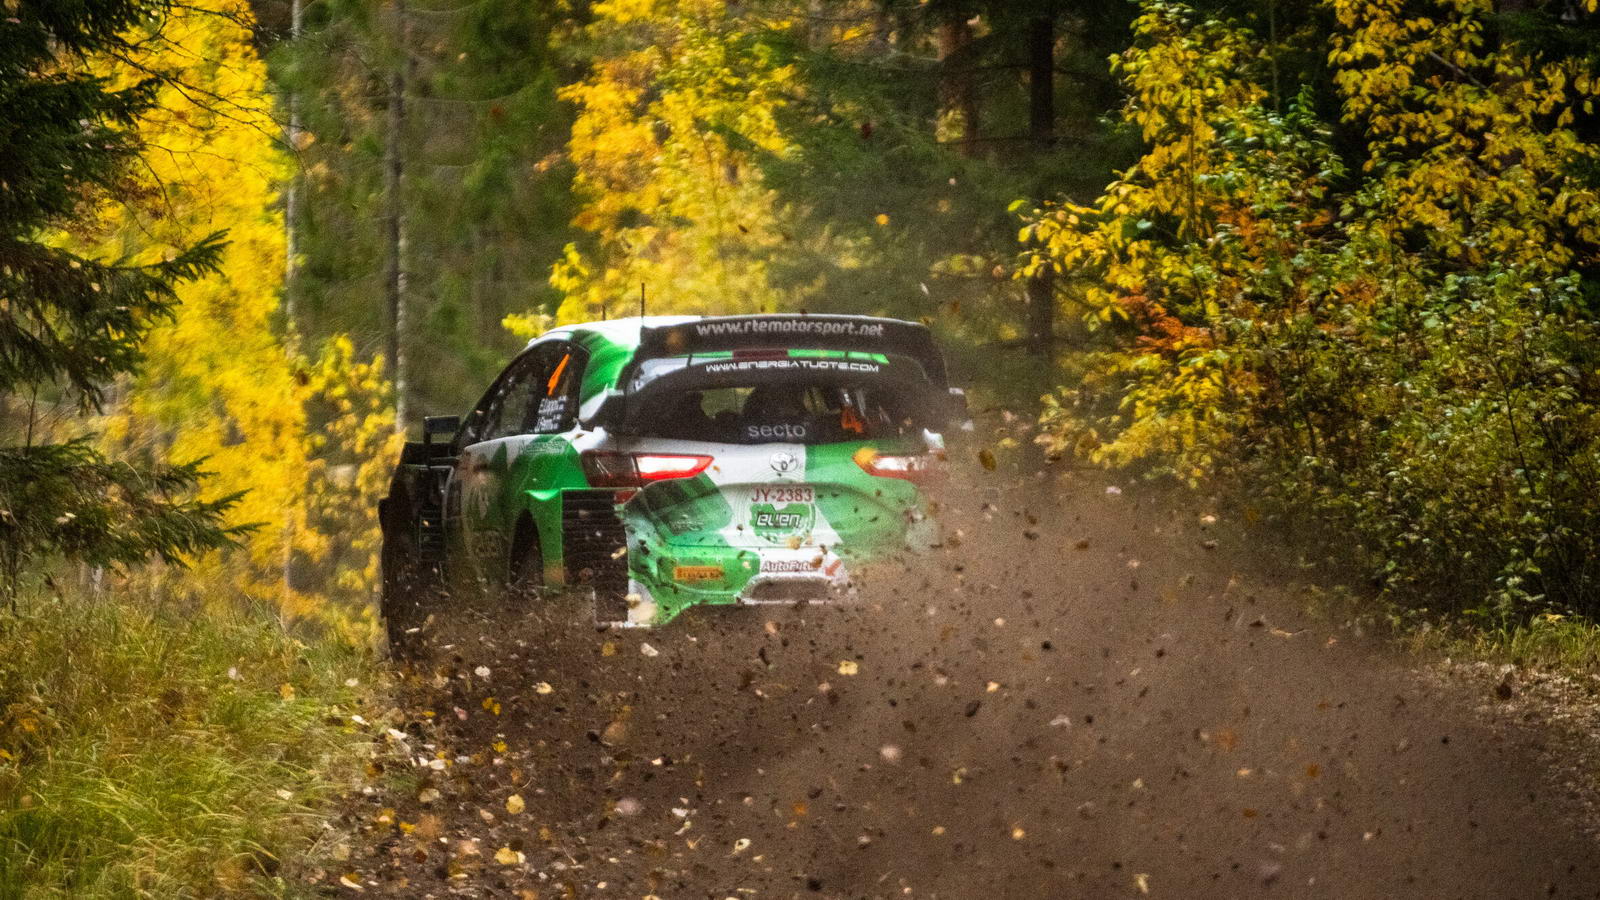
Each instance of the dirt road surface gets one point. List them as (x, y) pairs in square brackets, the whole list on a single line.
[(1097, 697)]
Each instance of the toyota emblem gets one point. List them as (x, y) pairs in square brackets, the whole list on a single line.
[(784, 462)]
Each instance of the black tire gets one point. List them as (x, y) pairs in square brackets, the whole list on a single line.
[(607, 585), (407, 592), (525, 581), (525, 568), (610, 605)]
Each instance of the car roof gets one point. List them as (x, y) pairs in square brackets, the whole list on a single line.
[(623, 332), (627, 332), (613, 344)]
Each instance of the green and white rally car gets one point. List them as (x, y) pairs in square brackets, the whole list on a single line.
[(669, 462)]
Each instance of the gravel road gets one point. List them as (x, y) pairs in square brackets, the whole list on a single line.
[(1096, 696)]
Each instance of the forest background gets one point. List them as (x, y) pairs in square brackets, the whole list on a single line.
[(1333, 260)]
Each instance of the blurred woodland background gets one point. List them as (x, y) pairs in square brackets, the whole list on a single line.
[(1335, 255)]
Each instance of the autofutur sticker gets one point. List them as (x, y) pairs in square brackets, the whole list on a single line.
[(791, 566)]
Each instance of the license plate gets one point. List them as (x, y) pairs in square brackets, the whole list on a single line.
[(784, 494)]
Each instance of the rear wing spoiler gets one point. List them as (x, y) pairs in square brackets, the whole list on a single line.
[(621, 410), (820, 332)]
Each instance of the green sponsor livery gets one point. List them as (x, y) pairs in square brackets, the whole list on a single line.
[(673, 462)]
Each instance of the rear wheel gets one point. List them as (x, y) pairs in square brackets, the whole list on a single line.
[(606, 580), (526, 587), (407, 591), (525, 570), (610, 605)]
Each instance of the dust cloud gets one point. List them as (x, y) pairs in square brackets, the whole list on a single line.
[(1095, 694)]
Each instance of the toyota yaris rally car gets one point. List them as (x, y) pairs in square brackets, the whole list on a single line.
[(668, 462)]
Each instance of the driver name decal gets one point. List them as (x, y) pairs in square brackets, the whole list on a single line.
[(773, 522)]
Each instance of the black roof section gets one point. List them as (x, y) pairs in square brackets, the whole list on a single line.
[(796, 331)]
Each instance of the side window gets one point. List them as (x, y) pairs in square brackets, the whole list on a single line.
[(538, 394), (558, 403), (513, 399), (475, 427)]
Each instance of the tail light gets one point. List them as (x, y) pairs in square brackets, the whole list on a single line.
[(916, 467), (632, 470)]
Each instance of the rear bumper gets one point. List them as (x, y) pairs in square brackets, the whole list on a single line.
[(817, 578), (665, 586)]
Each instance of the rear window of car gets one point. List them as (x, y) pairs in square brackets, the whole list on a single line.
[(779, 413)]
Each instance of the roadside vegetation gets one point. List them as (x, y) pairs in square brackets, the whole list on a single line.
[(1369, 303), (149, 749), (183, 557)]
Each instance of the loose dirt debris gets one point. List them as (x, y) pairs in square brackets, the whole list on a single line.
[(1095, 697)]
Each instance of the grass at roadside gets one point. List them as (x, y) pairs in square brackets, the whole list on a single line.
[(165, 753), (1567, 644), (1331, 583), (1570, 645)]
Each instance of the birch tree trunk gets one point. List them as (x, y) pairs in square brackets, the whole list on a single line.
[(291, 199), (1042, 125), (394, 213)]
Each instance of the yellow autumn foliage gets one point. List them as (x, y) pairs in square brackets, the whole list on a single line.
[(218, 384), (1230, 225), (671, 201), (1381, 323), (1483, 161), (1158, 251)]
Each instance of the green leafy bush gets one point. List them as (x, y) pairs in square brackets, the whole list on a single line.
[(1402, 343)]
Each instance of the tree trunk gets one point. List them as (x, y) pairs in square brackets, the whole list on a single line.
[(1042, 126), (291, 197), (882, 27), (958, 99), (1041, 80), (291, 248), (394, 216)]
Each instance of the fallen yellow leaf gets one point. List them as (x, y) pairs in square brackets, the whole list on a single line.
[(506, 856)]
